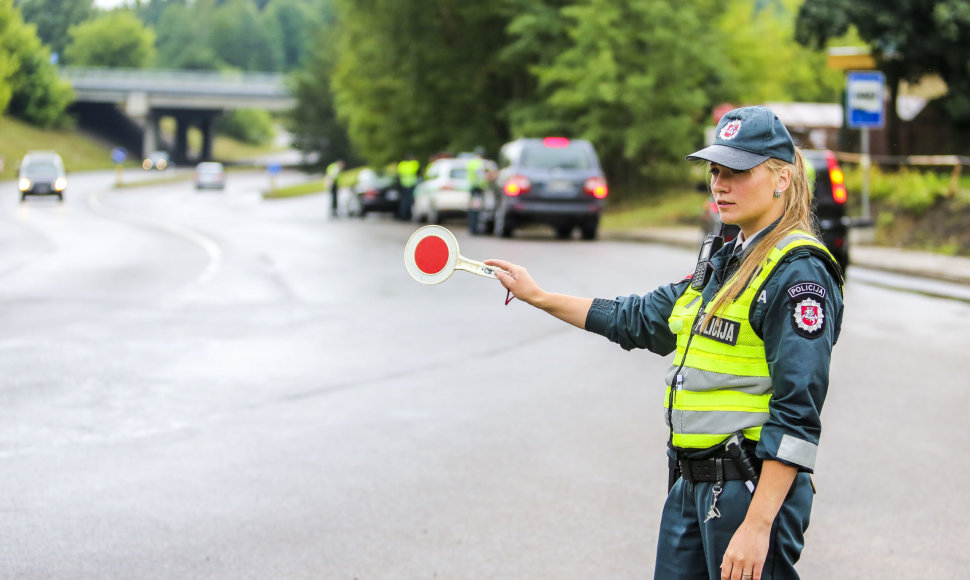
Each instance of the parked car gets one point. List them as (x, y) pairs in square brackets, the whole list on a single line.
[(42, 173), (828, 203), (373, 192), (554, 181), (210, 175), (445, 191)]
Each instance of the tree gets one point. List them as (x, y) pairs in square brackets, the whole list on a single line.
[(182, 41), (295, 23), (908, 39), (114, 39), (766, 64), (54, 18), (410, 77), (240, 38), (29, 86), (313, 122), (632, 82)]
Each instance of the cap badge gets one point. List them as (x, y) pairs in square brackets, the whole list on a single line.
[(731, 130)]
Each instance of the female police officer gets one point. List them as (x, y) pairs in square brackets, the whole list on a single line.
[(752, 331)]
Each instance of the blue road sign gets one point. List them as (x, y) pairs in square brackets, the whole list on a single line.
[(273, 168), (118, 155), (865, 101)]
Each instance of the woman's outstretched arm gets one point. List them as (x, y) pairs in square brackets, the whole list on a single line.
[(571, 309)]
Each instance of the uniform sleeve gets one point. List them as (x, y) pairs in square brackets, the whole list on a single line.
[(801, 312), (637, 321)]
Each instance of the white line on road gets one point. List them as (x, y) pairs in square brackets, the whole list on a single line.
[(211, 248)]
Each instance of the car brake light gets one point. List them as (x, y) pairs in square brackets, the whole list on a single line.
[(596, 186), (556, 142), (516, 185), (839, 194)]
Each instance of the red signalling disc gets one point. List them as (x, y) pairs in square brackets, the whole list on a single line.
[(431, 255)]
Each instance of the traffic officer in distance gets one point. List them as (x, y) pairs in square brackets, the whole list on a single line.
[(752, 331)]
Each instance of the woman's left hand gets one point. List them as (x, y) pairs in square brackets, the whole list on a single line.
[(746, 553)]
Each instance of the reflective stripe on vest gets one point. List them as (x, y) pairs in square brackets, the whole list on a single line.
[(726, 386)]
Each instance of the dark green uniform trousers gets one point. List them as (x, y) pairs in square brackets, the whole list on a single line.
[(692, 549)]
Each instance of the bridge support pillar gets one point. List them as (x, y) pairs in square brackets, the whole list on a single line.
[(182, 139), (207, 135), (150, 138)]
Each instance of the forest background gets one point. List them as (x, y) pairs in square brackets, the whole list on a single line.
[(380, 79)]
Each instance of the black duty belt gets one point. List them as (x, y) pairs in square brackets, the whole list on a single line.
[(708, 469)]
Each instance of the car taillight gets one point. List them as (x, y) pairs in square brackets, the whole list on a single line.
[(516, 185), (839, 194), (596, 186), (556, 142)]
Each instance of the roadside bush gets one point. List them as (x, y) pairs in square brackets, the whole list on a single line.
[(247, 125), (908, 189)]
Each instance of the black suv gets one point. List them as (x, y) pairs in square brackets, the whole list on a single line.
[(554, 181), (828, 204)]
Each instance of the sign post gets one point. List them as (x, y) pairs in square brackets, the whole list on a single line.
[(118, 156), (865, 110)]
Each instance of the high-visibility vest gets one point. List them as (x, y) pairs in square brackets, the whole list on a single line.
[(407, 172), (719, 383), (475, 169)]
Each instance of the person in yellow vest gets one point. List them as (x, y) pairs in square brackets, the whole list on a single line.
[(407, 175), (481, 173), (751, 331), (333, 172)]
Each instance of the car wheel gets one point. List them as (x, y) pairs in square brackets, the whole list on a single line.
[(433, 215), (60, 197), (588, 231), (503, 225), (564, 232)]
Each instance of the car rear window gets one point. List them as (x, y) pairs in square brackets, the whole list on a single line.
[(572, 156), (458, 173)]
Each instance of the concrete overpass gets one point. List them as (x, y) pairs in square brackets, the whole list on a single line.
[(192, 98)]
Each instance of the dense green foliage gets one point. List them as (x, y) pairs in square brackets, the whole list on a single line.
[(405, 76), (53, 18), (247, 125), (29, 86), (113, 39)]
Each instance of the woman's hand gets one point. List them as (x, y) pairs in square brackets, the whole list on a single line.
[(518, 281), (746, 553)]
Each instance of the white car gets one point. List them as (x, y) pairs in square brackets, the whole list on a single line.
[(445, 191), (210, 174)]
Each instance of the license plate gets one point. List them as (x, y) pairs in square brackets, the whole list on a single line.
[(392, 195), (560, 187)]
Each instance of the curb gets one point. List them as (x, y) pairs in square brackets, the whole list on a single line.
[(940, 267)]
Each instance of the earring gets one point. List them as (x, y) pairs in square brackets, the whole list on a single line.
[(777, 193)]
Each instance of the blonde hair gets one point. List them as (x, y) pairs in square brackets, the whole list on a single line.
[(797, 216)]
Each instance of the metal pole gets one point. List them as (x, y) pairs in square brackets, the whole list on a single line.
[(866, 162)]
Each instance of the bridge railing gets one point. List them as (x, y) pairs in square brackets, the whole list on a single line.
[(176, 81)]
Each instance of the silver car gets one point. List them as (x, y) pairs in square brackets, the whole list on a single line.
[(42, 173)]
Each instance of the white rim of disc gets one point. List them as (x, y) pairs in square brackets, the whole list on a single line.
[(411, 247)]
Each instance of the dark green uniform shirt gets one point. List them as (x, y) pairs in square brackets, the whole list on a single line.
[(798, 352)]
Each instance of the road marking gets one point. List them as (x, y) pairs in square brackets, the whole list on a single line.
[(211, 248)]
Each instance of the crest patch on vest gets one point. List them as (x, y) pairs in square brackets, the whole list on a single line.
[(719, 329), (808, 316)]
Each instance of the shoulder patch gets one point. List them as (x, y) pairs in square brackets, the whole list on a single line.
[(808, 312)]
